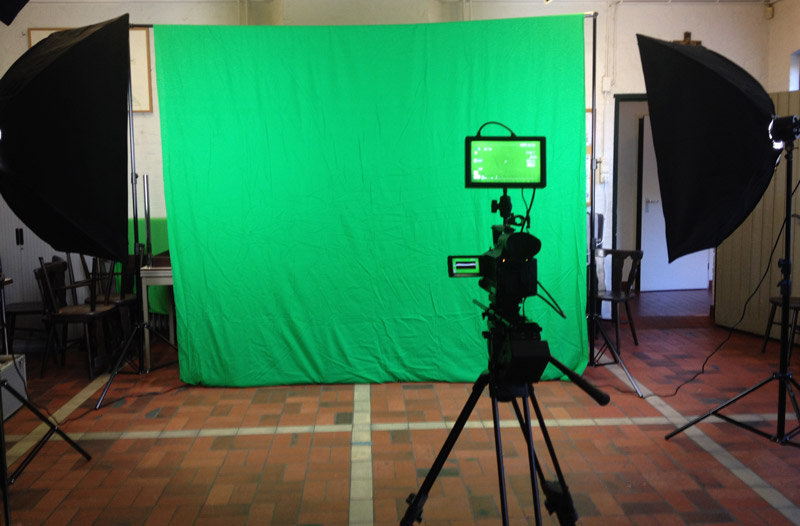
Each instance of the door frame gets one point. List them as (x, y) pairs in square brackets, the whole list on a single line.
[(619, 100)]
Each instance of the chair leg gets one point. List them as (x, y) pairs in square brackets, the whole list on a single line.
[(51, 333), (11, 323), (616, 325), (630, 322), (63, 343), (791, 338), (88, 337), (769, 326)]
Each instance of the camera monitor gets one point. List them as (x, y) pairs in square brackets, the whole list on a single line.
[(505, 162)]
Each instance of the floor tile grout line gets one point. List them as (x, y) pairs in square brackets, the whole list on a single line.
[(386, 426), (750, 478), (361, 510), (361, 491)]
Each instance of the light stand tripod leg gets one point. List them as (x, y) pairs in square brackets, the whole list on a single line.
[(417, 501), (721, 407), (789, 381), (790, 393), (617, 359), (54, 429), (4, 464), (123, 356)]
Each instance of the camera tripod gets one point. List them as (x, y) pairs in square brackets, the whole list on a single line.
[(529, 358), (557, 497)]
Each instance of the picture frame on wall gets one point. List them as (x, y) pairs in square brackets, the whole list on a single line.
[(141, 83)]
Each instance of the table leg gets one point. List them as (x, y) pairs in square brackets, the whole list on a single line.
[(146, 319)]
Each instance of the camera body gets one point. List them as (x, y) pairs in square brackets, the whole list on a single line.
[(508, 271)]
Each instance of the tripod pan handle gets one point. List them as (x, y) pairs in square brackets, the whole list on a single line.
[(599, 396)]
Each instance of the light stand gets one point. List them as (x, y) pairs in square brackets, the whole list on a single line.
[(786, 130), (593, 315), (137, 265)]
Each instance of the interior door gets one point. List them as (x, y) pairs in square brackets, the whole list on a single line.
[(685, 273)]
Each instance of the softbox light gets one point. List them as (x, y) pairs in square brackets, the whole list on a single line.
[(63, 139), (717, 143), (9, 10), (710, 122)]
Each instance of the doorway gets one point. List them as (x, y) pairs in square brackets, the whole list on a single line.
[(638, 219)]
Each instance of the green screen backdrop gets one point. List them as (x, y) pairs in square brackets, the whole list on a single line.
[(314, 181)]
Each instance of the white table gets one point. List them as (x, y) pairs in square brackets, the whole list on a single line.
[(155, 276)]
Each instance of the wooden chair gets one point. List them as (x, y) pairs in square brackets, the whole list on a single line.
[(794, 308), (114, 283), (625, 266), (17, 309), (59, 312)]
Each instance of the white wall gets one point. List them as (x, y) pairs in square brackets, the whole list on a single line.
[(784, 39), (738, 30)]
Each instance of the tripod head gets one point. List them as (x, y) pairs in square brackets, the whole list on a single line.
[(518, 354)]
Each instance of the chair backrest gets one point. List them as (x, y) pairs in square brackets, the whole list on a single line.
[(625, 265), (110, 277), (51, 278)]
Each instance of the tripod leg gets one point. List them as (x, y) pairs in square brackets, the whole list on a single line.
[(53, 429), (557, 498), (500, 471), (123, 354), (4, 463), (417, 501), (719, 407), (51, 334), (789, 381), (610, 346), (790, 392), (526, 430), (532, 462)]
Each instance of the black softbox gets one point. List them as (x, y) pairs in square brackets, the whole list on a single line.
[(710, 122), (63, 139), (9, 10)]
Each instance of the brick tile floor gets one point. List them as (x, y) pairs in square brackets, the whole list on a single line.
[(166, 453)]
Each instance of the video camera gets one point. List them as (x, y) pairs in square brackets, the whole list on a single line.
[(508, 270)]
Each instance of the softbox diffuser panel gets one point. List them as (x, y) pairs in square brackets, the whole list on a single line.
[(710, 122), (314, 182), (63, 148)]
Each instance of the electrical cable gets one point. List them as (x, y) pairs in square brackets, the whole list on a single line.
[(526, 222), (732, 329), (550, 301), (497, 123), (121, 398)]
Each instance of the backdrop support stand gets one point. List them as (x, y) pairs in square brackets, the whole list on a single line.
[(782, 376), (137, 264), (593, 316)]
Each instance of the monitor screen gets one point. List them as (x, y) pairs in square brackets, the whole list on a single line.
[(505, 162)]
